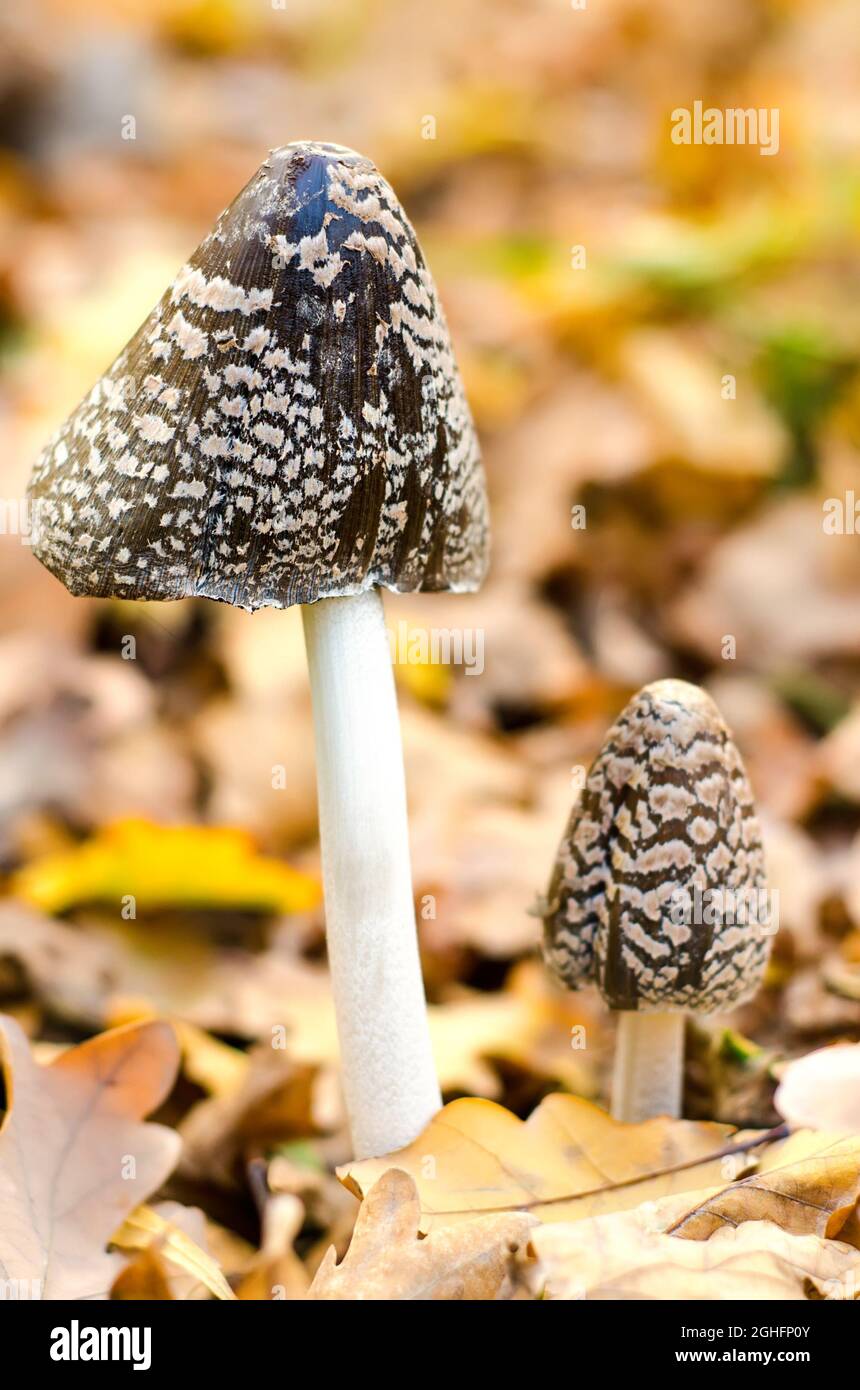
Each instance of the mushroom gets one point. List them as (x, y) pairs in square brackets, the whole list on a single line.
[(658, 887), (289, 426)]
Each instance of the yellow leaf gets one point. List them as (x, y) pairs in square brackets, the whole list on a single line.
[(427, 681), (146, 1230), (165, 865), (567, 1162), (417, 667), (213, 1065)]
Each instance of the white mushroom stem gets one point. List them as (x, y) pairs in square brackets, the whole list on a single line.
[(389, 1079), (649, 1066)]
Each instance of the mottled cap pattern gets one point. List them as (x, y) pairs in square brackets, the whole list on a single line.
[(288, 424), (667, 809)]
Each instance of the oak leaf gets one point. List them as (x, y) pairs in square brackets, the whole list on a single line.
[(386, 1259), (75, 1158), (809, 1185), (568, 1161), (620, 1257), (169, 1256)]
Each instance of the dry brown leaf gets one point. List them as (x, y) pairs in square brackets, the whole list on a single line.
[(65, 968), (69, 725), (795, 873), (810, 1006), (270, 1095), (780, 754), (271, 1102), (581, 427), (387, 1260), (567, 1162), (527, 658), (851, 877), (484, 869), (260, 759), (75, 1158), (780, 563), (144, 1280), (531, 1024), (97, 972), (169, 1241), (809, 1184), (621, 1257), (277, 1272), (680, 387)]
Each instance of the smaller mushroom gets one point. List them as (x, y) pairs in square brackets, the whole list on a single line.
[(658, 892)]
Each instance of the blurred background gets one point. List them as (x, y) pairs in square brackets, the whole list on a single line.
[(660, 346)]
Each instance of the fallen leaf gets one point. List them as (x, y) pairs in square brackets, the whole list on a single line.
[(144, 1280), (811, 1007), (809, 1184), (161, 865), (620, 1257), (277, 1272), (532, 1024), (386, 1259), (680, 385), (75, 1158), (270, 1102), (169, 1241), (98, 971), (780, 754), (65, 968), (259, 757), (70, 726), (779, 563), (795, 874), (567, 1162)]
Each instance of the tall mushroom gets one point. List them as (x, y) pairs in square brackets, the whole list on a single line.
[(656, 892), (289, 426)]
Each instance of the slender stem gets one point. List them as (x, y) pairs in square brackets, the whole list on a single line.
[(387, 1070), (649, 1066)]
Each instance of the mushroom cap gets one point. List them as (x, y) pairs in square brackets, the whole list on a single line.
[(288, 424), (667, 809)]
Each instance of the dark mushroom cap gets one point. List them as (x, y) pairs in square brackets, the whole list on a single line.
[(667, 808), (289, 422)]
